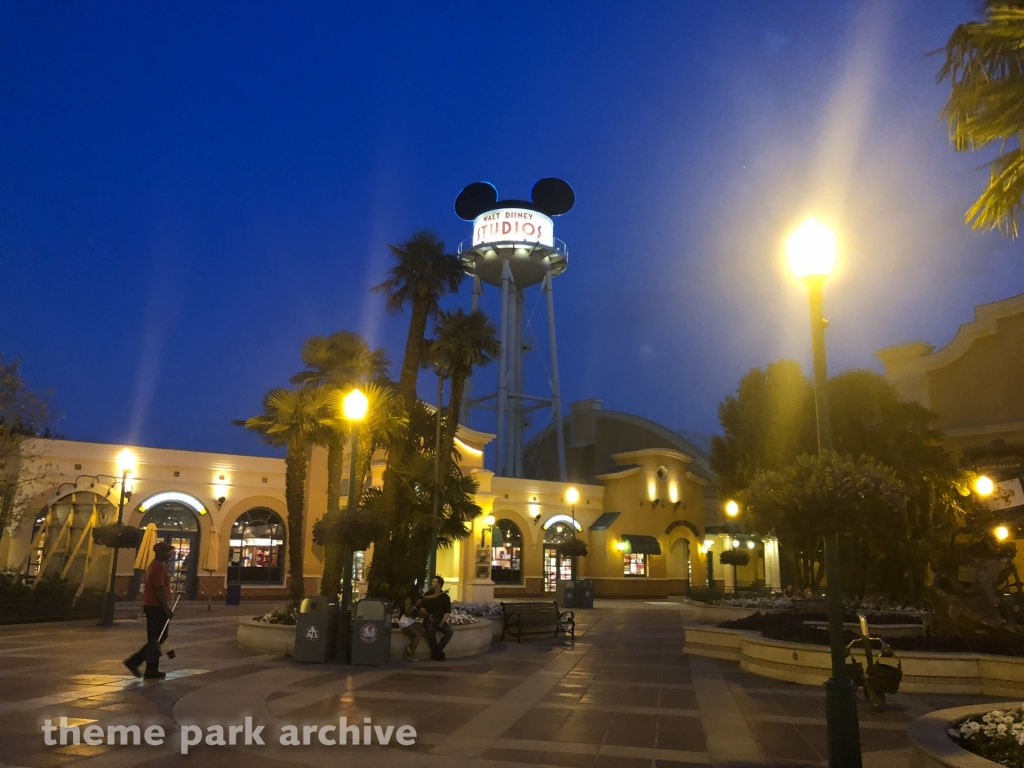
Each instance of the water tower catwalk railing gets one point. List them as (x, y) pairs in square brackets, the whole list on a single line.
[(513, 249)]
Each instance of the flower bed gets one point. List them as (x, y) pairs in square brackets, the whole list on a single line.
[(487, 610), (997, 736)]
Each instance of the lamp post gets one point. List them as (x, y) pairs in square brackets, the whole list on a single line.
[(436, 513), (353, 408), (811, 249), (572, 496), (125, 463)]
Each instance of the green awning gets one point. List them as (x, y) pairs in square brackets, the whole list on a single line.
[(604, 522), (641, 545)]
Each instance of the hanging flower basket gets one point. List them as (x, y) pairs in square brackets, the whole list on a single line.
[(574, 548), (734, 557), (118, 535)]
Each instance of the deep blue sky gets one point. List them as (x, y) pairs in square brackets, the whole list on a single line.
[(189, 190)]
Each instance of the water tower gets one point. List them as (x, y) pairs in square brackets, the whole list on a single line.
[(514, 248)]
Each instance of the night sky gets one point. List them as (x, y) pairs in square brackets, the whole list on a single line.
[(189, 190)]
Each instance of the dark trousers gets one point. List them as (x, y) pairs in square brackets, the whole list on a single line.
[(150, 653), (432, 628)]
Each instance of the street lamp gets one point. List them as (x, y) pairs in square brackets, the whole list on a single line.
[(983, 485), (1002, 533), (732, 509), (125, 465), (353, 408), (811, 250), (571, 497)]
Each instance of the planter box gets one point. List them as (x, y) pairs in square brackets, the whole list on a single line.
[(716, 614), (811, 664), (932, 746), (266, 638)]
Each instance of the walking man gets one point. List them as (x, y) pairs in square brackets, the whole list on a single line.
[(156, 605), (438, 607)]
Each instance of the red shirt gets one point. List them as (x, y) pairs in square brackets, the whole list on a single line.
[(158, 581)]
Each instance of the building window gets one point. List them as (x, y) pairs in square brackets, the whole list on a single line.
[(506, 553), (256, 552), (634, 565)]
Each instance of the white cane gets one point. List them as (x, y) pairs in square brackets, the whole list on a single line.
[(170, 654)]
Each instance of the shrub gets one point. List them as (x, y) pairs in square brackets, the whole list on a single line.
[(285, 615)]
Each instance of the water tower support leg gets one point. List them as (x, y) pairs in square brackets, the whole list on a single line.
[(499, 448), (556, 387)]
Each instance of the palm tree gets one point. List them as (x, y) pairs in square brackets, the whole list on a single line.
[(290, 418), (422, 274), (385, 422), (985, 67), (464, 341)]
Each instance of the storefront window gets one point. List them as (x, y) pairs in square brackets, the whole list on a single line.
[(358, 566), (256, 552), (557, 567), (634, 565), (506, 553)]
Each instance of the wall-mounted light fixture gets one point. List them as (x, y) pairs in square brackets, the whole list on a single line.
[(621, 546), (220, 501), (655, 503)]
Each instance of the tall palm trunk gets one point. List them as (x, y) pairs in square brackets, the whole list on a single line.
[(332, 549), (451, 424), (296, 463)]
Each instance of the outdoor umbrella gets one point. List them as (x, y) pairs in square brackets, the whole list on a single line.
[(211, 559), (145, 554)]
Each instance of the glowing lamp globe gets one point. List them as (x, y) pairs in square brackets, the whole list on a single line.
[(126, 462), (811, 250), (489, 520), (732, 508), (751, 545), (354, 405), (572, 496), (984, 486), (1002, 533)]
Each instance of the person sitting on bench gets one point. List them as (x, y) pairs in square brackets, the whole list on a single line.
[(437, 607)]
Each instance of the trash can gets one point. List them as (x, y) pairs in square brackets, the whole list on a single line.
[(371, 632), (315, 627), (584, 593), (234, 596), (565, 594)]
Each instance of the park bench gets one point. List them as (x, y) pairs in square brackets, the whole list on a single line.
[(536, 618)]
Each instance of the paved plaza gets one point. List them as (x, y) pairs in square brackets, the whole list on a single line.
[(625, 695)]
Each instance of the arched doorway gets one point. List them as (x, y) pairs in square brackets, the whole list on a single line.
[(176, 524), (506, 553), (557, 567), (256, 548)]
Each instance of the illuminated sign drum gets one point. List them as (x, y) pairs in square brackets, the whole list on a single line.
[(513, 225)]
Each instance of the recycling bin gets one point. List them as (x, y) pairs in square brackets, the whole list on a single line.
[(584, 593), (371, 632), (565, 594), (234, 596), (315, 628)]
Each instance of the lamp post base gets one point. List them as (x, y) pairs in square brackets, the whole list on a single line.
[(108, 610), (843, 728)]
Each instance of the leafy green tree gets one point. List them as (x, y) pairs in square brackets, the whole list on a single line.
[(985, 67), (24, 414), (767, 424), (463, 341), (290, 418), (815, 496), (770, 422)]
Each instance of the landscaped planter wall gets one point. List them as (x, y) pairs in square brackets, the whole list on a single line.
[(467, 640), (715, 614), (267, 638), (932, 746), (811, 664)]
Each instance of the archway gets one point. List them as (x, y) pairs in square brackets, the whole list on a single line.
[(256, 548), (557, 567), (506, 553), (177, 525)]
